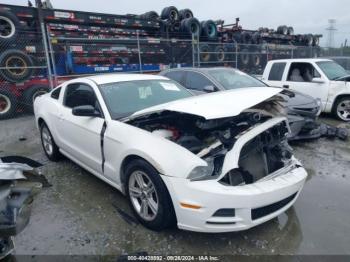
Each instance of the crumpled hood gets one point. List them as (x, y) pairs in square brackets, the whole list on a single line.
[(216, 105)]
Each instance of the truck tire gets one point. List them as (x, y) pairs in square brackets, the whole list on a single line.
[(8, 104), (151, 15), (32, 93), (256, 60), (244, 57), (316, 41), (290, 30), (204, 53), (209, 29), (220, 54), (9, 25), (190, 26), (282, 29), (341, 108), (170, 13), (10, 59), (309, 39), (185, 14), (246, 38)]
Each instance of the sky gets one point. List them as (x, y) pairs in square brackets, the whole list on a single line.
[(306, 16)]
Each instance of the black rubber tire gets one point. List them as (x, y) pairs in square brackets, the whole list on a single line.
[(151, 15), (256, 38), (8, 104), (309, 39), (256, 60), (170, 13), (244, 57), (10, 22), (166, 215), (190, 26), (14, 58), (316, 41), (56, 155), (246, 38), (31, 93), (205, 54), (209, 29), (290, 30), (282, 29), (185, 14), (336, 103), (220, 55)]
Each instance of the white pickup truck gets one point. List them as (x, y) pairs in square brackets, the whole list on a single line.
[(322, 79)]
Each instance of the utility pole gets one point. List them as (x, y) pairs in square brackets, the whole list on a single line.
[(331, 31)]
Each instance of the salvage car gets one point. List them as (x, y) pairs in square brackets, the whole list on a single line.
[(323, 79), (302, 109), (213, 163)]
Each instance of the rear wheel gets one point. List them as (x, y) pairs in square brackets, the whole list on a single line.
[(342, 109), (32, 93), (50, 148), (8, 104), (148, 196)]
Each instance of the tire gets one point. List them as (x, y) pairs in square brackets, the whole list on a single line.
[(316, 41), (341, 108), (290, 30), (190, 26), (256, 60), (170, 13), (8, 104), (220, 55), (155, 219), (185, 14), (53, 154), (32, 93), (9, 27), (209, 29), (246, 38), (282, 29), (15, 58), (244, 57), (256, 38), (151, 15), (205, 53), (308, 39)]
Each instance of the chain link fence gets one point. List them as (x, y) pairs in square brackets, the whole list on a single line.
[(28, 68)]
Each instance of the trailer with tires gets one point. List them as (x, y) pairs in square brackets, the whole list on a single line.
[(49, 45)]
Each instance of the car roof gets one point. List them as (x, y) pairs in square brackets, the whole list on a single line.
[(118, 77), (198, 69), (302, 60)]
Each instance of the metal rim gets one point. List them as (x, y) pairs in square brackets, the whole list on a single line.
[(7, 27), (47, 140), (143, 195), (38, 93), (5, 104), (343, 110), (16, 65), (221, 55)]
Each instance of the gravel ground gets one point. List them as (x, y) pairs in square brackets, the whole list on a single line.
[(79, 213)]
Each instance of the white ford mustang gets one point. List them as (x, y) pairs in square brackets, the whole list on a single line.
[(213, 163)]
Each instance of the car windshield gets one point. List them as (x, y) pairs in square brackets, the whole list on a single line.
[(232, 79), (125, 98), (332, 70)]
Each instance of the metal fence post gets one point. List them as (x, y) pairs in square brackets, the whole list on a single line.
[(193, 49), (198, 52), (52, 55), (139, 50), (236, 55)]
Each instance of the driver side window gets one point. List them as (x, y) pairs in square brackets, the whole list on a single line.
[(79, 94), (302, 72), (197, 81)]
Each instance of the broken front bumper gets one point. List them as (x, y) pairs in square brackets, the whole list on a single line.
[(241, 207)]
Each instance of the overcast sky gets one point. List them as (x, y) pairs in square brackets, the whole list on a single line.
[(306, 16)]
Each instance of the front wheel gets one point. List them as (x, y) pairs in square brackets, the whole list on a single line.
[(148, 196), (342, 108)]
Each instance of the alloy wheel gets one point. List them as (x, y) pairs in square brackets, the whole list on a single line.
[(5, 104), (47, 140), (343, 110)]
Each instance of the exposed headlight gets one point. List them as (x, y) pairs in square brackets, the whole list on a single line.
[(202, 172)]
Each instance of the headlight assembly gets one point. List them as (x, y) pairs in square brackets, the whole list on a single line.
[(202, 172)]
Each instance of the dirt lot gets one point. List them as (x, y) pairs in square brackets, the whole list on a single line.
[(78, 214)]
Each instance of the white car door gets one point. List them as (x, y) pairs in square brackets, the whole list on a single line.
[(80, 135), (306, 78)]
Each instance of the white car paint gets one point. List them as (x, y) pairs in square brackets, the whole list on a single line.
[(324, 89), (79, 139)]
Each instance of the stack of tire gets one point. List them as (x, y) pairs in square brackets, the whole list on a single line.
[(16, 67)]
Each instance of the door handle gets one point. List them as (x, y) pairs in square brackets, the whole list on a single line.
[(285, 86)]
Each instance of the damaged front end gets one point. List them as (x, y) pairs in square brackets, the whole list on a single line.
[(219, 141)]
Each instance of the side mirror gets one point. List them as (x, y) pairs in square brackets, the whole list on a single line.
[(317, 80), (86, 110), (209, 89)]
